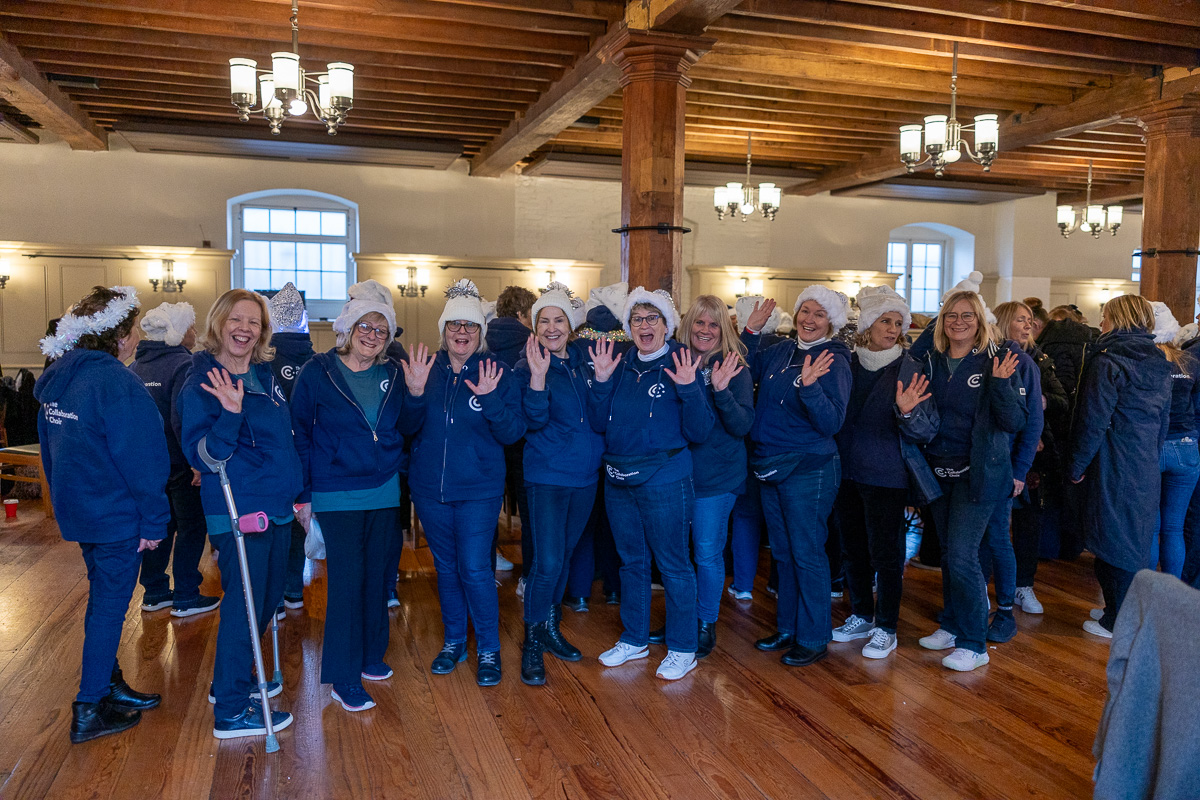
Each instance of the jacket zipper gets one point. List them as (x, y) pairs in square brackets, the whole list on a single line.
[(374, 435)]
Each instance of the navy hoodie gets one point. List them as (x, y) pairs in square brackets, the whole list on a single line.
[(292, 351), (643, 413), (263, 467), (458, 453), (506, 338), (104, 450), (163, 368), (719, 462), (791, 417), (339, 449), (561, 447), (1185, 397)]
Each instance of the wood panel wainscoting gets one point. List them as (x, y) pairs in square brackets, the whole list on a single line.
[(742, 725)]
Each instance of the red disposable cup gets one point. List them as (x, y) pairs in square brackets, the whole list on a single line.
[(10, 508)]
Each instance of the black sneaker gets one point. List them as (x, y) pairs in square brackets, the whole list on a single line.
[(200, 604), (157, 602), (352, 698), (576, 604), (250, 723), (1002, 627), (93, 720), (273, 690), (658, 635)]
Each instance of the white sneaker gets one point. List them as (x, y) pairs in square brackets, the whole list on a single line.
[(964, 660), (881, 645), (940, 639), (502, 563), (738, 594), (855, 628), (676, 665), (521, 588), (1096, 629), (1027, 601), (622, 652), (1096, 614)]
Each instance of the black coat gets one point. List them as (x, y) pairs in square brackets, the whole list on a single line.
[(1121, 416), (1064, 341)]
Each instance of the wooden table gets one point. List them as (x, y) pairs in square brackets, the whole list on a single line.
[(28, 455)]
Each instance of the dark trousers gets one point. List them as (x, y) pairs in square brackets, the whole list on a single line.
[(745, 537), (961, 525), (873, 537), (797, 512), (1027, 536), (514, 481), (396, 544), (186, 536), (595, 552), (293, 585), (1114, 583), (112, 570), (266, 556), (356, 618), (557, 516)]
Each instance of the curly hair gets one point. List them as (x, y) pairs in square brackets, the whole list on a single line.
[(515, 301), (107, 341)]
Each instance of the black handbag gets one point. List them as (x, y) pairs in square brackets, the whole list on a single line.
[(775, 469), (635, 470)]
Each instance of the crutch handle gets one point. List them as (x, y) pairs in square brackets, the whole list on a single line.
[(254, 522)]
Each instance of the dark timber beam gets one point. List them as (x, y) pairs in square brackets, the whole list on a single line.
[(23, 87)]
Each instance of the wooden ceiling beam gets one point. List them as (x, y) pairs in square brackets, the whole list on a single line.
[(689, 17), (1116, 193), (24, 88), (1174, 11), (715, 92)]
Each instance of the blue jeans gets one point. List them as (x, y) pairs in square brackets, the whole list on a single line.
[(655, 519), (112, 570), (797, 512), (1180, 464), (710, 529), (460, 539), (960, 527), (997, 557), (745, 538), (557, 516)]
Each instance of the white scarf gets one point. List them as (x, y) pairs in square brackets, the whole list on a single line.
[(874, 360), (659, 353), (810, 345)]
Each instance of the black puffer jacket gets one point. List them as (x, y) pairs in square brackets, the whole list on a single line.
[(1064, 340)]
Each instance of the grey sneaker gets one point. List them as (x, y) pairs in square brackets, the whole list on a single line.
[(941, 639), (855, 628), (881, 645)]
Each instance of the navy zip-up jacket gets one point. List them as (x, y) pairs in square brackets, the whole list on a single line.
[(1185, 398), (643, 413), (263, 467), (458, 452), (341, 450), (104, 450), (791, 417), (163, 368), (292, 351), (561, 446), (506, 338), (719, 462)]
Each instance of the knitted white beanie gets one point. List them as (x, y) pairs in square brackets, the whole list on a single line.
[(971, 283), (169, 322), (366, 297), (463, 303), (744, 307), (558, 295), (875, 301), (288, 314), (611, 296), (836, 305), (1166, 328), (659, 299)]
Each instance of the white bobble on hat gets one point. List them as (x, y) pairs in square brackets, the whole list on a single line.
[(169, 322), (558, 295), (972, 283), (464, 303)]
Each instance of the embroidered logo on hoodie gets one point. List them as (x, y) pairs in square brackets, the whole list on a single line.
[(474, 404)]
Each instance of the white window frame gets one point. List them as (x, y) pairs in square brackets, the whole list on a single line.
[(302, 200), (908, 243)]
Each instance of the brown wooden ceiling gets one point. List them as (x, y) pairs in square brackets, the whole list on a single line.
[(819, 84)]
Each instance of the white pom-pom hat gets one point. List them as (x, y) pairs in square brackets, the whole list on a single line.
[(558, 295), (835, 304), (875, 301), (169, 322), (1166, 327), (659, 299), (366, 297), (464, 303), (611, 297)]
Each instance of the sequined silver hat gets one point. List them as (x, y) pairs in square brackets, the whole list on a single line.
[(287, 310)]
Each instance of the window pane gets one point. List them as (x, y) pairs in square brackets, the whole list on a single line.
[(310, 284), (333, 285), (918, 279), (933, 255), (308, 255), (902, 285), (333, 258), (279, 277), (256, 220), (283, 256), (283, 220), (308, 223), (258, 254), (897, 256), (333, 223), (256, 279)]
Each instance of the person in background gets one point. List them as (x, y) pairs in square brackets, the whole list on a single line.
[(506, 338), (162, 363), (232, 401), (1122, 415), (398, 355), (473, 410), (293, 348), (104, 452), (803, 388), (1187, 339), (1040, 317)]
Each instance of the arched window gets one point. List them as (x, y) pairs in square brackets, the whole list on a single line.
[(927, 258), (295, 235)]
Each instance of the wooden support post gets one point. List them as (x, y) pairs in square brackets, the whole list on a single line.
[(654, 78), (1171, 218)]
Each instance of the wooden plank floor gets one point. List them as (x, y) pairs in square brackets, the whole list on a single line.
[(741, 726)]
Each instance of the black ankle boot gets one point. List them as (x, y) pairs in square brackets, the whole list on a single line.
[(124, 698), (93, 720), (706, 638), (552, 638), (533, 665)]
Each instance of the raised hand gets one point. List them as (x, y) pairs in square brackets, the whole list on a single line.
[(814, 369), (724, 373), (222, 387), (761, 315), (914, 395), (685, 367), (538, 360), (489, 378), (1005, 368), (603, 362), (417, 369)]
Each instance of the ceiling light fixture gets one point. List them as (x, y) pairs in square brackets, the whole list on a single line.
[(285, 89), (943, 136), (734, 198), (418, 282), (1094, 218)]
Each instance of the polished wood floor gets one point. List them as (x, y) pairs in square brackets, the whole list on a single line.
[(741, 726)]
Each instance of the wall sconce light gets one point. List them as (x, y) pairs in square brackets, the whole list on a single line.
[(1105, 295), (170, 273), (418, 282), (3, 281), (751, 286)]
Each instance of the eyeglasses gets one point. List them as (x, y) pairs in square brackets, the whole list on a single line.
[(649, 319), (455, 325), (966, 316), (367, 329)]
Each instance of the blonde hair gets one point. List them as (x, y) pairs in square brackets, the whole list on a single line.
[(983, 332), (344, 340), (218, 315), (1177, 356), (714, 308), (1066, 312), (1006, 313), (1129, 312)]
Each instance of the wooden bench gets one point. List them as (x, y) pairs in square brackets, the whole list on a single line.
[(28, 455)]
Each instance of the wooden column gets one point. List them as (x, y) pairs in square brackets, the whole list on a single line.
[(1171, 217), (654, 79)]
